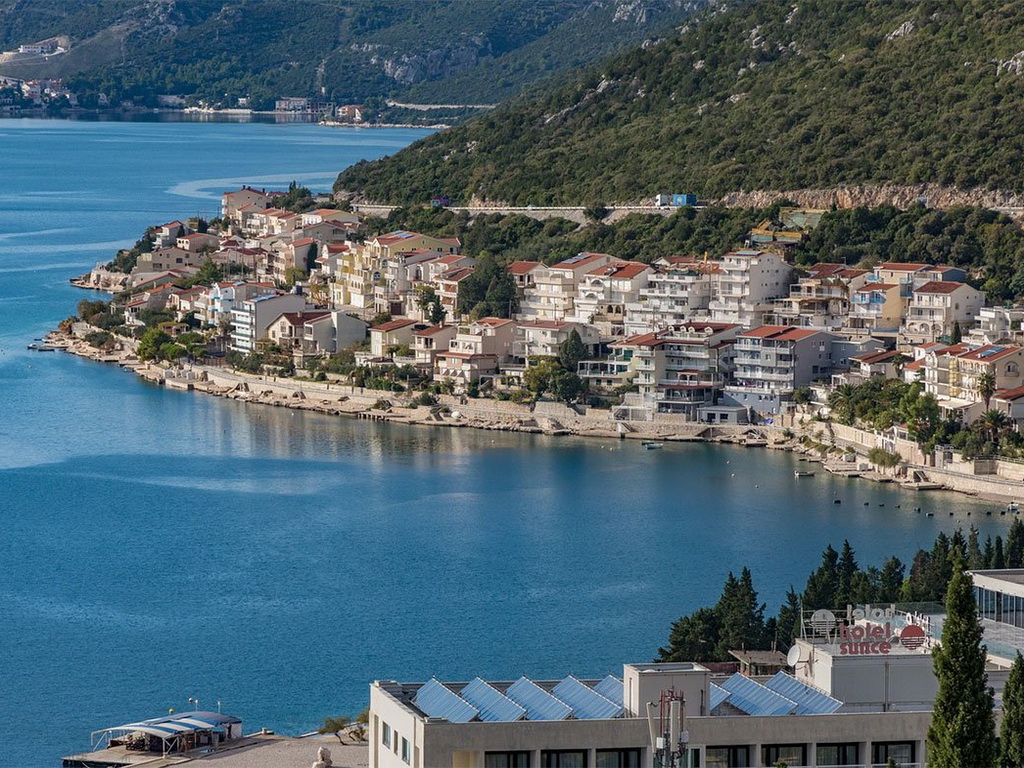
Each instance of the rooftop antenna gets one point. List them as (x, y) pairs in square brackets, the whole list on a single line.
[(669, 737)]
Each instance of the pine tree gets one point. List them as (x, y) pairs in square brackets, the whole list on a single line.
[(571, 351), (974, 556), (823, 585), (890, 580), (962, 731), (788, 622), (692, 638), (999, 560), (1015, 544), (988, 556), (740, 616), (1011, 731)]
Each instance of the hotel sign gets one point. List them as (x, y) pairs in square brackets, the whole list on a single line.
[(866, 631)]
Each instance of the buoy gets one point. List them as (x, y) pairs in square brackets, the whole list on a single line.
[(881, 505), (837, 501), (867, 503), (931, 514)]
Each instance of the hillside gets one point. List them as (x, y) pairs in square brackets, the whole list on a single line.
[(772, 94), (342, 50)]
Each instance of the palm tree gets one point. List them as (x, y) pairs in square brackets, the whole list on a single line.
[(987, 386), (992, 424), (841, 402)]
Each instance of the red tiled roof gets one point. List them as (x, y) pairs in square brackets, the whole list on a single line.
[(915, 366), (493, 322), (643, 340), (938, 286), (522, 267), (620, 269), (434, 330), (457, 274), (990, 352), (870, 358), (303, 241), (779, 333), (298, 318), (580, 260), (825, 269), (1009, 394), (394, 325)]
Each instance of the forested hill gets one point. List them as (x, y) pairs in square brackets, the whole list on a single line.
[(342, 50), (769, 94)]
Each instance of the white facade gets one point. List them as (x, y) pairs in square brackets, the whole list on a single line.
[(748, 283), (253, 317)]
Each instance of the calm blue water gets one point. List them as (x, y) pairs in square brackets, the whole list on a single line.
[(158, 545)]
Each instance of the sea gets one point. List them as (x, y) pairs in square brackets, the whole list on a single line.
[(159, 546)]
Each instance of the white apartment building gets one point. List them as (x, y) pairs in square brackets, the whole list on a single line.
[(604, 293), (682, 369), (251, 318), (820, 300), (553, 293), (936, 307), (679, 291), (748, 283), (542, 338), (998, 324)]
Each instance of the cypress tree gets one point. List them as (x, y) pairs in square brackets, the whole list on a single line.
[(847, 569), (989, 554), (823, 584), (890, 580), (999, 560), (962, 731), (1011, 731)]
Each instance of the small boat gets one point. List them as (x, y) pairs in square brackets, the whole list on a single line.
[(653, 446), (929, 514), (1012, 507), (837, 501), (803, 473)]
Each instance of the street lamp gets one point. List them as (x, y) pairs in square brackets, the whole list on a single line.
[(194, 703)]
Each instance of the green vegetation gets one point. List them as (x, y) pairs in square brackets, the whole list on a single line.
[(1011, 729), (760, 96), (125, 260), (738, 621), (354, 50), (880, 404), (962, 730), (988, 245)]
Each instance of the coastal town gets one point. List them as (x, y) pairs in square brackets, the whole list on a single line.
[(744, 346)]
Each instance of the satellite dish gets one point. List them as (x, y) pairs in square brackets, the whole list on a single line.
[(793, 657)]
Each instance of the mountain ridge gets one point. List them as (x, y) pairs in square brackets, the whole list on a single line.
[(768, 95), (337, 50)]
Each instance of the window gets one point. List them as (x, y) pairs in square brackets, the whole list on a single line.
[(506, 760), (405, 751), (563, 758), (385, 735), (790, 754), (618, 758), (901, 752), (838, 754), (727, 757)]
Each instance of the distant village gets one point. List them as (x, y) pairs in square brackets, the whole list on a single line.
[(732, 340)]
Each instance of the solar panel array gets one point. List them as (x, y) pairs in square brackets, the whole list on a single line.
[(781, 695), (717, 696), (436, 699), (538, 703), (586, 703), (809, 700), (611, 689), (754, 699), (494, 706), (522, 700)]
